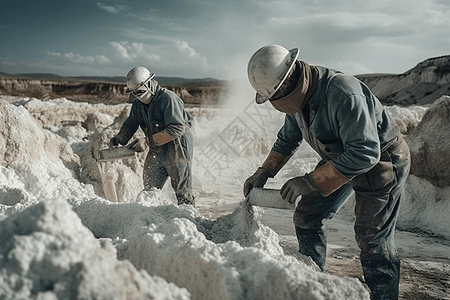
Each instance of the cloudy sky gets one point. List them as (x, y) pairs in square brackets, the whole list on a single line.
[(216, 38)]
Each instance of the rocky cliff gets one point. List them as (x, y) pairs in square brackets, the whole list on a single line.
[(423, 84), (197, 93)]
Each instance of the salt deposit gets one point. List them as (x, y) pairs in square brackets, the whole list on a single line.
[(47, 253), (63, 238)]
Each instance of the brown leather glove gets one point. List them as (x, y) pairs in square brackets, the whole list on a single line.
[(273, 163), (258, 179), (326, 179), (160, 138), (297, 186)]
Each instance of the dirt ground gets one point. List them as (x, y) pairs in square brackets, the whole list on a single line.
[(425, 262), (425, 257)]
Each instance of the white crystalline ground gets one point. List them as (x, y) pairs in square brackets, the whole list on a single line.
[(58, 238), (47, 253)]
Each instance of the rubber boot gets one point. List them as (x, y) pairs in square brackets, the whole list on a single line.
[(382, 277), (313, 243)]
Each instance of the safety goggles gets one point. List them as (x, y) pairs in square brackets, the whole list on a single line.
[(141, 90)]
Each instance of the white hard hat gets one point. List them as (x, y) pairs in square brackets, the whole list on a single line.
[(268, 68), (137, 77)]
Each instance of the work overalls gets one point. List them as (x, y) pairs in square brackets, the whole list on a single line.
[(345, 124), (174, 159)]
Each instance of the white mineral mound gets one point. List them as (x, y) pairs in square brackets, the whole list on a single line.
[(58, 238)]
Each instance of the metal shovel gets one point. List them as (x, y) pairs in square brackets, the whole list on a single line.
[(108, 186), (115, 153), (268, 198)]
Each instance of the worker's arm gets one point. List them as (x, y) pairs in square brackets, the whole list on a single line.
[(172, 112), (129, 127), (289, 137)]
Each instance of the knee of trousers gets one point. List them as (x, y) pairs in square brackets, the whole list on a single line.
[(307, 222), (314, 210)]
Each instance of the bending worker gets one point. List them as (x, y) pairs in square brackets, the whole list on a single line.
[(161, 115), (361, 150)]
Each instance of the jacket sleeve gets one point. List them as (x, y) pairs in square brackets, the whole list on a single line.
[(289, 137), (131, 124), (172, 110), (354, 119)]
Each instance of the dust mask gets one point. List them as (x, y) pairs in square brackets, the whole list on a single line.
[(146, 92)]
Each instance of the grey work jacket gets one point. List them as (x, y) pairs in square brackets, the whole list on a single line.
[(343, 122), (165, 112)]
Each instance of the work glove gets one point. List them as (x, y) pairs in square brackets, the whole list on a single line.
[(118, 139), (139, 145), (297, 186), (258, 179), (151, 143)]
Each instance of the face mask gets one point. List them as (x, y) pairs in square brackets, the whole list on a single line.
[(144, 93), (305, 87), (143, 96), (291, 103)]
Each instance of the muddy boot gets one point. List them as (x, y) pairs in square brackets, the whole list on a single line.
[(382, 277), (313, 243)]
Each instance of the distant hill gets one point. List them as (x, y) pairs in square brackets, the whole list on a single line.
[(163, 80), (423, 84), (45, 76), (111, 90)]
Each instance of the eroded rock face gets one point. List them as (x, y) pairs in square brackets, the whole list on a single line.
[(423, 84), (196, 93), (429, 143), (93, 92)]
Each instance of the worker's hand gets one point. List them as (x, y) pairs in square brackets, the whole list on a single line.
[(115, 141), (258, 179), (139, 145), (297, 186)]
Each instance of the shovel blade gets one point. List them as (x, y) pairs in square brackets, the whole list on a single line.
[(268, 198), (115, 153)]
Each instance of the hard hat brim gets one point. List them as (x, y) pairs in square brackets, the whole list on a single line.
[(260, 99)]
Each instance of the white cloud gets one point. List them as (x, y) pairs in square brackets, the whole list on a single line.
[(186, 50), (112, 9), (214, 39), (133, 52), (164, 55), (120, 50), (79, 59)]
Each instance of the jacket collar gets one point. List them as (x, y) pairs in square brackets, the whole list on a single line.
[(320, 94)]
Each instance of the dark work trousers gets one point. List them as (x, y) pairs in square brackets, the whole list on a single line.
[(377, 194), (156, 175)]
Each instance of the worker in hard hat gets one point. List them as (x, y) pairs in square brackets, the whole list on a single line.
[(167, 125), (361, 149)]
